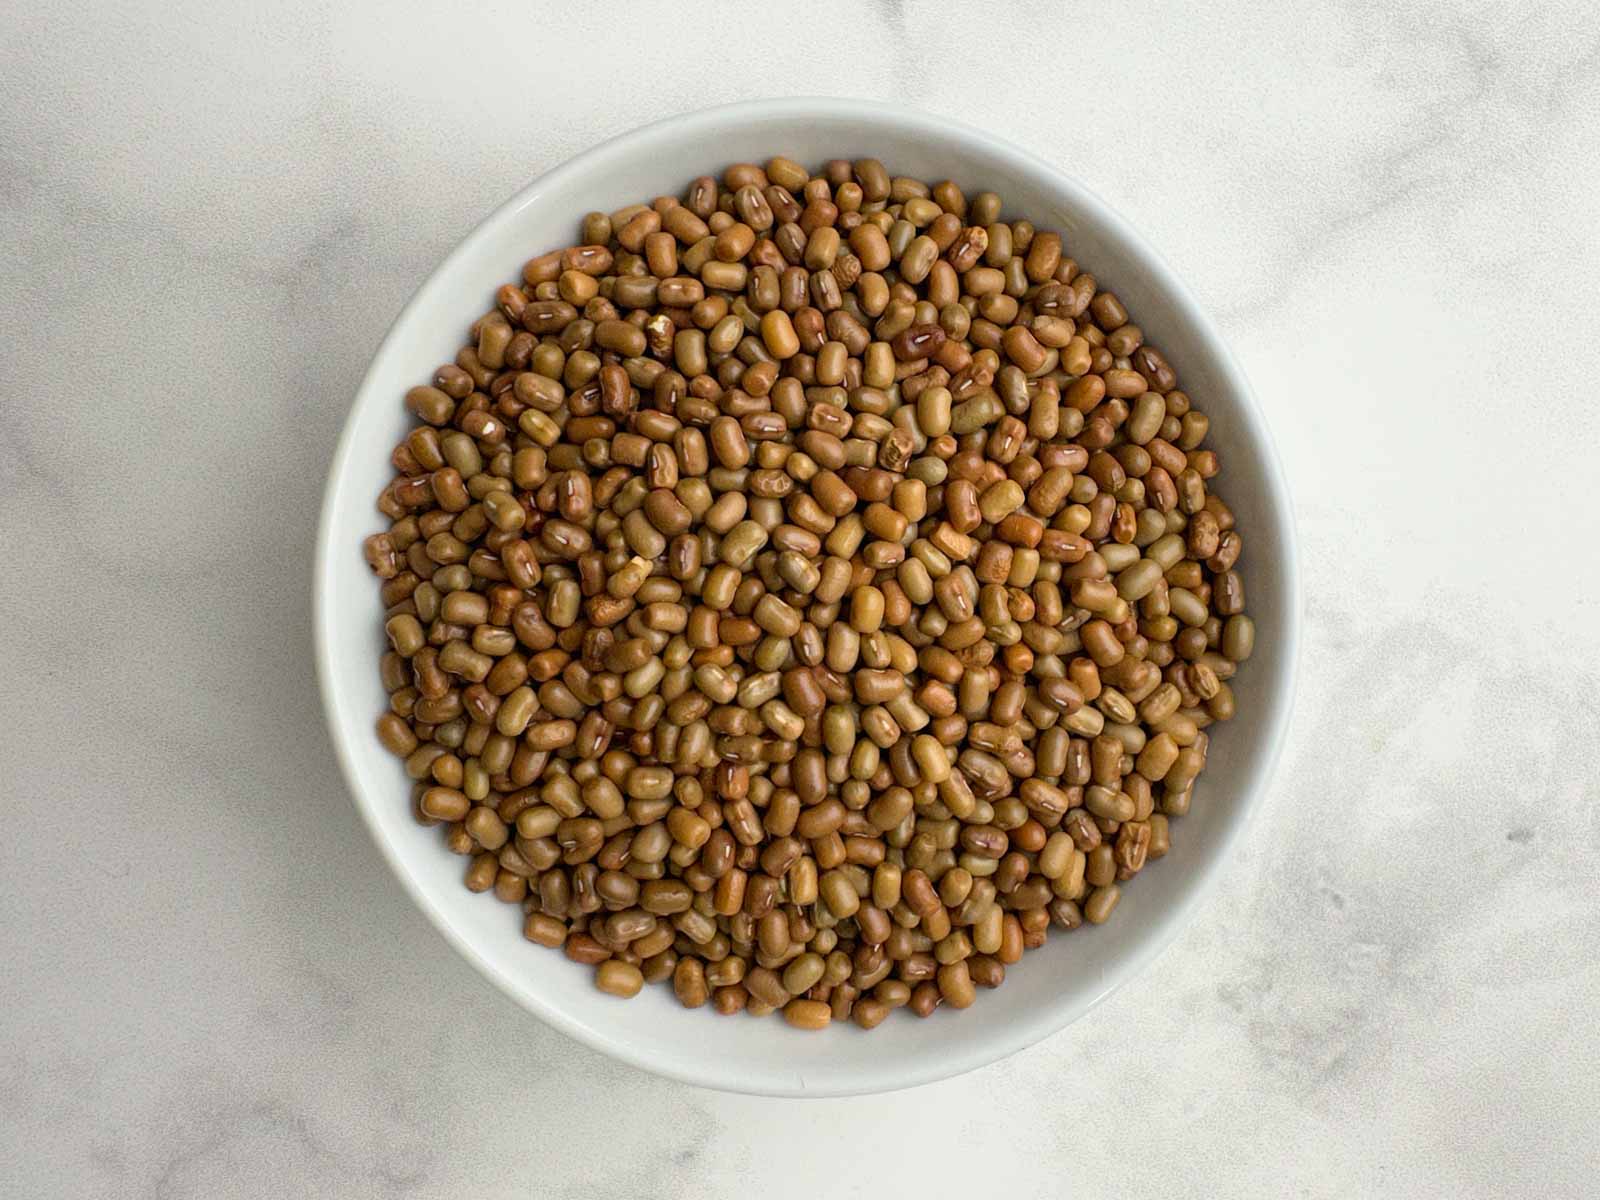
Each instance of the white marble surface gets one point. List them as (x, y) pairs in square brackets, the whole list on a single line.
[(210, 986)]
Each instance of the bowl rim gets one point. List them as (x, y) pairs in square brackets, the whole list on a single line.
[(1271, 733)]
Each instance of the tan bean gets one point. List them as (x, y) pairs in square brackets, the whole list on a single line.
[(810, 589)]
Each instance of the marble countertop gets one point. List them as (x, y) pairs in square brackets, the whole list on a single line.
[(211, 986)]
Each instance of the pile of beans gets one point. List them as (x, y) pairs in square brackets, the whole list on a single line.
[(807, 592)]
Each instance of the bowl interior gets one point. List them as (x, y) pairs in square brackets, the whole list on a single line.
[(1052, 985)]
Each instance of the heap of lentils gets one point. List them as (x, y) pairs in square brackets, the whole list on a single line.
[(807, 592)]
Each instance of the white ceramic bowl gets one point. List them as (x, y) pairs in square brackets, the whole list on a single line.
[(1052, 986)]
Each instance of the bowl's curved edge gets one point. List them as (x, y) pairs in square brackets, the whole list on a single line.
[(1019, 1035)]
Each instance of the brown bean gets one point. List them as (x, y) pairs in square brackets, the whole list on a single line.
[(807, 1014), (735, 672)]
